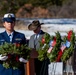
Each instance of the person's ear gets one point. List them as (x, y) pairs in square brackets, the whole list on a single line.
[(3, 24)]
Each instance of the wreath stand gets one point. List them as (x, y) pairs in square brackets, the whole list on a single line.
[(61, 68), (69, 69), (55, 68)]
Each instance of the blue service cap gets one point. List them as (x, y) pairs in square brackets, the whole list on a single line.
[(9, 17)]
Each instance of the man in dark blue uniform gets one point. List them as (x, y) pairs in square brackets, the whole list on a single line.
[(15, 37)]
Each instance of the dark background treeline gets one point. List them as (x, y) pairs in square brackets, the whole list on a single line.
[(39, 8)]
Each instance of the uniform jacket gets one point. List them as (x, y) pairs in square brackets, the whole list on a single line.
[(17, 38)]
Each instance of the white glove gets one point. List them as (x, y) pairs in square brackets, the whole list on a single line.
[(3, 58), (23, 60)]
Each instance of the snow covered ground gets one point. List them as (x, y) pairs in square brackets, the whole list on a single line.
[(51, 29)]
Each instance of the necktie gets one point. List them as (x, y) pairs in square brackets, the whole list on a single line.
[(10, 37), (35, 41)]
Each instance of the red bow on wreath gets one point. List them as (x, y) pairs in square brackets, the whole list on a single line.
[(69, 35)]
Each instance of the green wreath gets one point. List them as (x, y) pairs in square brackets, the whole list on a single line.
[(42, 51), (69, 51), (14, 52), (44, 46), (54, 53)]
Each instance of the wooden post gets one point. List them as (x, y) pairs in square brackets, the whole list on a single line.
[(30, 69)]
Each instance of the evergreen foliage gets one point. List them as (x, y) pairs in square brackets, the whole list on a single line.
[(56, 49), (14, 52), (14, 5)]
